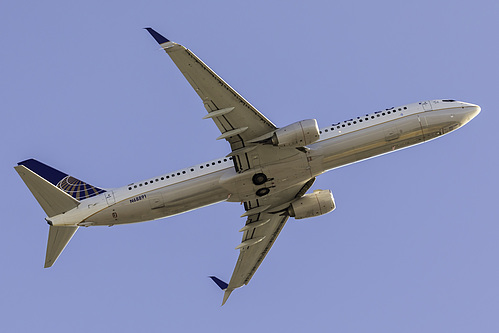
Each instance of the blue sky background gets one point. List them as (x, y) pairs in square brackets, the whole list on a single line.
[(412, 245)]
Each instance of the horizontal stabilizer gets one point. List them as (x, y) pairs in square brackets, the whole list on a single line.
[(53, 200), (59, 237)]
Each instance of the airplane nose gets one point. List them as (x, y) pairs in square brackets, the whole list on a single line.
[(470, 112)]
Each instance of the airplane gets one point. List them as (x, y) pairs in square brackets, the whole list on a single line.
[(269, 169)]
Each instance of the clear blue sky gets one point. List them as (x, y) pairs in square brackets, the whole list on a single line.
[(413, 243)]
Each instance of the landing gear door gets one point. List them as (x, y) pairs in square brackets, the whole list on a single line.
[(110, 198), (426, 106)]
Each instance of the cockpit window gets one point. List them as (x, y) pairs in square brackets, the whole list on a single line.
[(448, 100)]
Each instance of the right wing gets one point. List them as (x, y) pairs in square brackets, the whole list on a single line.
[(237, 120), (261, 233), (266, 218)]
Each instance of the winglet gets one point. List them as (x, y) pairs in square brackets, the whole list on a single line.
[(219, 282), (223, 285), (159, 38)]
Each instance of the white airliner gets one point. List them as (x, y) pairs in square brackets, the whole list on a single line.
[(269, 169)]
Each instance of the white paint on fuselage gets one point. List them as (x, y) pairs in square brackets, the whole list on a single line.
[(339, 144)]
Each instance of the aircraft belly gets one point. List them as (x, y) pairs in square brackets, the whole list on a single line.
[(369, 142), (281, 175), (166, 201)]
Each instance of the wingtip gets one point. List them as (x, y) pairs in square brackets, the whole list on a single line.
[(226, 296), (158, 37), (221, 284)]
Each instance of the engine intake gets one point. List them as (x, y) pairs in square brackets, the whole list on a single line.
[(317, 203), (298, 134)]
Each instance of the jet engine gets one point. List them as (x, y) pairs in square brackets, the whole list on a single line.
[(317, 203), (298, 134)]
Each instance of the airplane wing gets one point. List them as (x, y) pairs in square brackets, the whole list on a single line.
[(265, 222), (261, 233), (237, 120), (242, 125)]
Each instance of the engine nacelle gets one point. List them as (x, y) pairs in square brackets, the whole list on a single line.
[(299, 134), (317, 203)]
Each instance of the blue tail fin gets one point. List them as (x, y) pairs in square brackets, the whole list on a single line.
[(72, 186)]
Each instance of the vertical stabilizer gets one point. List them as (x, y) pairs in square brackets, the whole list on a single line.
[(74, 187), (57, 193), (59, 237)]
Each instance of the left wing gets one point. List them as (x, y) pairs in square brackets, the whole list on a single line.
[(237, 120)]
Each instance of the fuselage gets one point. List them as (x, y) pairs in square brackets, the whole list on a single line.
[(204, 184)]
